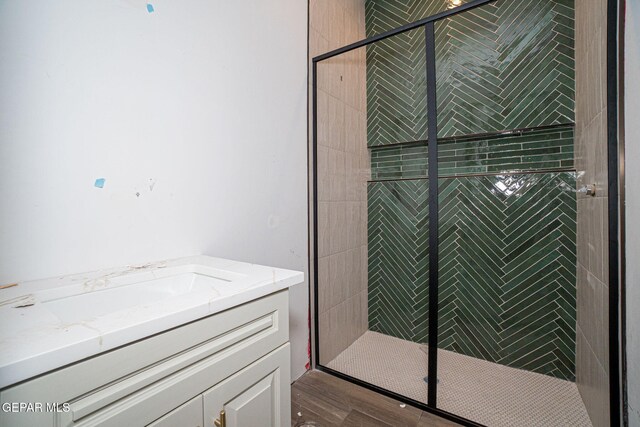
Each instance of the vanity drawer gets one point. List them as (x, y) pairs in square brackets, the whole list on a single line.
[(187, 415), (138, 383)]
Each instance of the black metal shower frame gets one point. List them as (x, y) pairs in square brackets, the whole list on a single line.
[(616, 302)]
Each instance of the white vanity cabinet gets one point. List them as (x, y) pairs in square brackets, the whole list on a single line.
[(255, 396), (235, 362)]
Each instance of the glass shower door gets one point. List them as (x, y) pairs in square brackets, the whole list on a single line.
[(507, 215), (372, 184)]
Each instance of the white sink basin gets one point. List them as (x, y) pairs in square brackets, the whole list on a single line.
[(49, 323), (89, 305)]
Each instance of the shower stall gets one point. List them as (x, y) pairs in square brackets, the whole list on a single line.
[(445, 200)]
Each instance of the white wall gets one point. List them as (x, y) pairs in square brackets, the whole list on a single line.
[(199, 107), (632, 148)]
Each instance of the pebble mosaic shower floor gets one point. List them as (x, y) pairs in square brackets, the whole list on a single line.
[(482, 391)]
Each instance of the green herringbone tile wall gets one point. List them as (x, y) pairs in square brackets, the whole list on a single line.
[(507, 251), (507, 65), (507, 270), (507, 267), (398, 258), (397, 90)]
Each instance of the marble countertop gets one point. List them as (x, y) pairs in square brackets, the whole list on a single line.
[(38, 333)]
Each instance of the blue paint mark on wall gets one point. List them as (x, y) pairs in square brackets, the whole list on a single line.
[(99, 182), (149, 7)]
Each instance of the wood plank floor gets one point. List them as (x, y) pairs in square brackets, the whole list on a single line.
[(323, 400)]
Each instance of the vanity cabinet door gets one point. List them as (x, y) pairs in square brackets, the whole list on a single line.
[(258, 395), (187, 415)]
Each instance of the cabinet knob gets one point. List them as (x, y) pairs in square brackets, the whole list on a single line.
[(222, 421)]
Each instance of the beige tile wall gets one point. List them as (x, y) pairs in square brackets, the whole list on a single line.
[(592, 355), (343, 170)]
